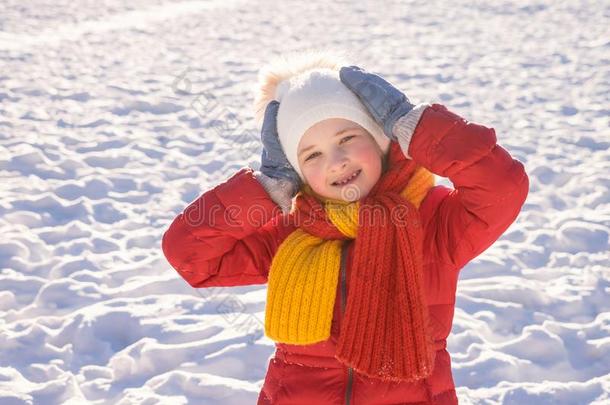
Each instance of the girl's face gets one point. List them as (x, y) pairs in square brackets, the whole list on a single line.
[(334, 150)]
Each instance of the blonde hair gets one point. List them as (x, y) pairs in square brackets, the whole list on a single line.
[(287, 65)]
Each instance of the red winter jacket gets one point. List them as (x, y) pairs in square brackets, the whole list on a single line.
[(226, 238)]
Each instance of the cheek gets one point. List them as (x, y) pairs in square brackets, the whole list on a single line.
[(313, 174), (368, 157)]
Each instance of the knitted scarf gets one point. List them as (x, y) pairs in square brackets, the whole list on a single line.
[(384, 332)]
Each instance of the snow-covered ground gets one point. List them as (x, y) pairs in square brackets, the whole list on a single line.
[(114, 117)]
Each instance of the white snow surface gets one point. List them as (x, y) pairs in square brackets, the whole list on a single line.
[(115, 115)]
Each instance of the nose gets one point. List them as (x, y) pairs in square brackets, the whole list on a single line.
[(338, 161)]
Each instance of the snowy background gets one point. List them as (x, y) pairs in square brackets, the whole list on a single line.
[(114, 117)]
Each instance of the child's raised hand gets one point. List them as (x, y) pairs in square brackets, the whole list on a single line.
[(273, 160), (384, 101), (276, 174)]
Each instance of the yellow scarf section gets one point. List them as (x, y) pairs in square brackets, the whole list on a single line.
[(304, 272)]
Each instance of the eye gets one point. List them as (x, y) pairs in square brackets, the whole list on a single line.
[(347, 137), (316, 153), (311, 156)]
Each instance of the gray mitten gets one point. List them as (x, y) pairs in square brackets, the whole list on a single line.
[(389, 106), (276, 175)]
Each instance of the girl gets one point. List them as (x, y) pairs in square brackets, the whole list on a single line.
[(360, 250)]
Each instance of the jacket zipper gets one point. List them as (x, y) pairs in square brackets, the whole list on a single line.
[(350, 371)]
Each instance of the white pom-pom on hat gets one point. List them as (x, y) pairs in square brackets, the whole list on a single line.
[(282, 68)]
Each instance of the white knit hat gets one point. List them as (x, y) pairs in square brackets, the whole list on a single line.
[(310, 95)]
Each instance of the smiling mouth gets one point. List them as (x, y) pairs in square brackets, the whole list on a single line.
[(349, 179)]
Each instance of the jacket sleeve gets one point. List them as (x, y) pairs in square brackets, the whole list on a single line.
[(227, 236), (490, 187)]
